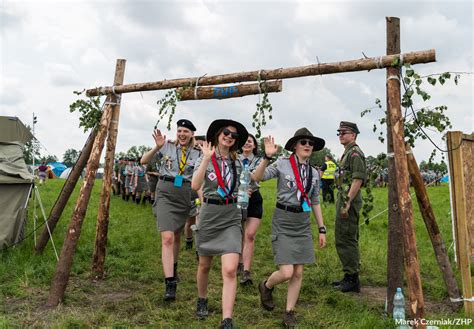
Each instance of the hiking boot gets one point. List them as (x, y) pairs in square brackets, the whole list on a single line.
[(246, 279), (266, 297), (227, 324), (338, 283), (137, 200), (240, 269), (289, 319), (189, 244), (201, 308), (352, 284), (170, 291)]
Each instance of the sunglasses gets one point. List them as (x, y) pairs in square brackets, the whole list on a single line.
[(227, 132), (344, 132), (303, 142)]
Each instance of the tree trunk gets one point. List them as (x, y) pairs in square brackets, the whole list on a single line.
[(191, 93), (363, 64), (98, 258), (66, 192), (395, 229), (433, 229), (412, 266)]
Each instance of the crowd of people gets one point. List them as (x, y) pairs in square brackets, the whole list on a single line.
[(193, 181)]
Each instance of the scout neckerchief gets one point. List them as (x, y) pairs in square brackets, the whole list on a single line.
[(178, 179), (305, 201), (224, 190)]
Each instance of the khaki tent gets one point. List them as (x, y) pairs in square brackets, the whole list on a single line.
[(15, 180)]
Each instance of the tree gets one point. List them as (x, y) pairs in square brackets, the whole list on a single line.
[(318, 158), (49, 158), (136, 152), (70, 157)]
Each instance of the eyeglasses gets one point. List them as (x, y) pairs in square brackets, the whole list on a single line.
[(227, 132), (303, 142), (344, 132)]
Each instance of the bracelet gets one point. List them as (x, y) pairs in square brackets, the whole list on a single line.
[(267, 157), (322, 230)]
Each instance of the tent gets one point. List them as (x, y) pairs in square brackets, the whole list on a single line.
[(57, 168), (65, 173), (444, 179), (16, 181)]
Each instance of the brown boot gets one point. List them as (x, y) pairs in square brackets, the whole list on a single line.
[(246, 279), (289, 319), (266, 296)]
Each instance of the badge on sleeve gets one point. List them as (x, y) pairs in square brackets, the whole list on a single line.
[(305, 206), (178, 181), (212, 176)]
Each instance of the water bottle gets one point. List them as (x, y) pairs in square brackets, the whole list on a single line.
[(243, 195), (399, 308)]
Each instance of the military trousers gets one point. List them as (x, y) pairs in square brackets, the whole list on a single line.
[(347, 236)]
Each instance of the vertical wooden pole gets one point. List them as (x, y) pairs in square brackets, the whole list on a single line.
[(433, 230), (412, 267), (63, 268), (66, 192), (459, 201), (395, 229), (98, 258)]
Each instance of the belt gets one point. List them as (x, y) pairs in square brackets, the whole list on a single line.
[(219, 201), (296, 209), (171, 179)]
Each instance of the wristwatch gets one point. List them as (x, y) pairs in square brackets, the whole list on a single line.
[(322, 229)]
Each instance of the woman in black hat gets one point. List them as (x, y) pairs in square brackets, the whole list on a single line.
[(173, 194), (297, 196), (219, 229)]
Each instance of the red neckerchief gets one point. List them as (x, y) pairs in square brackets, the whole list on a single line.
[(220, 181), (299, 183)]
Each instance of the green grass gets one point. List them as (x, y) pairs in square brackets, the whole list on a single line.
[(132, 293)]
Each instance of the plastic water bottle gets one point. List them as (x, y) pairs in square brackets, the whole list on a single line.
[(399, 308), (243, 195)]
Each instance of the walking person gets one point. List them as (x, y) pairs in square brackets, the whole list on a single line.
[(297, 196), (254, 211), (219, 228), (352, 174), (327, 178), (173, 195), (128, 172), (42, 172), (140, 182)]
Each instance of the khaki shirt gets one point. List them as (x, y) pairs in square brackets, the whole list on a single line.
[(210, 178), (287, 189), (352, 166), (171, 157), (254, 161)]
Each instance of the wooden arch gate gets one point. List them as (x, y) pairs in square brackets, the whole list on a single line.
[(108, 128)]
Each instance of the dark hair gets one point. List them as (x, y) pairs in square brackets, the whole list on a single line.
[(233, 149), (255, 149)]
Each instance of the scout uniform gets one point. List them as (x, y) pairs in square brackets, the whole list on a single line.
[(351, 166), (173, 190), (219, 228), (292, 241), (142, 184), (255, 208)]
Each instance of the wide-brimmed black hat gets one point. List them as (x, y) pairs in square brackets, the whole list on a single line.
[(304, 133), (218, 124)]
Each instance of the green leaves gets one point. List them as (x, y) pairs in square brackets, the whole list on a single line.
[(90, 111), (264, 105), (168, 106)]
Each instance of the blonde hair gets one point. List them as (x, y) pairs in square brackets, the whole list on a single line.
[(234, 148)]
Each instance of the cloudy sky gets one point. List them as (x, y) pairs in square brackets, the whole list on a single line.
[(48, 49)]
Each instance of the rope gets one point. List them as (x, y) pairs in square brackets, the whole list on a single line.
[(378, 62), (259, 78), (462, 299), (196, 88), (394, 77), (46, 222)]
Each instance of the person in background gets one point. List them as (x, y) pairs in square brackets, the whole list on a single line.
[(140, 182), (42, 172), (327, 178)]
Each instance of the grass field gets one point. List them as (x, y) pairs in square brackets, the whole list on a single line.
[(132, 293)]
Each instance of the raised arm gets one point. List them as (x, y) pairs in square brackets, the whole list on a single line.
[(159, 142), (198, 176), (270, 150)]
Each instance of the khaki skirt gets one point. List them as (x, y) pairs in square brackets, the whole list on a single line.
[(292, 241), (219, 230), (172, 205)]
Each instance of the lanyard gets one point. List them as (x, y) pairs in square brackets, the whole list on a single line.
[(220, 181), (299, 183)]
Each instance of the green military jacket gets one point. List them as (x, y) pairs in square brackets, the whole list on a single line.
[(352, 166)]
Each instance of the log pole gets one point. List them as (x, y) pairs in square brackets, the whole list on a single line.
[(412, 266), (191, 93), (98, 258), (63, 268), (66, 192), (427, 213), (395, 229), (363, 64)]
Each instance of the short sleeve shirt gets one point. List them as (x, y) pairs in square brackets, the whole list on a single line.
[(171, 158), (287, 190)]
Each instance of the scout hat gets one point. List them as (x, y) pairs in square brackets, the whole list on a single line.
[(218, 124), (186, 124), (304, 133), (349, 125)]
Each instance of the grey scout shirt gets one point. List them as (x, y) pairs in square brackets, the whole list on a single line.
[(287, 189), (210, 185), (253, 162), (171, 157)]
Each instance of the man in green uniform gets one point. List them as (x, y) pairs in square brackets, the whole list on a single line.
[(352, 173)]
